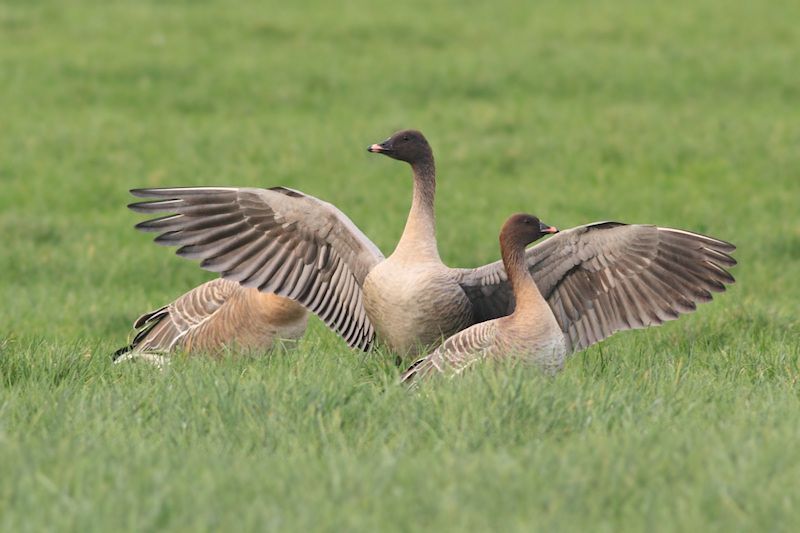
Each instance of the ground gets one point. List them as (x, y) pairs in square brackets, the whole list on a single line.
[(681, 114)]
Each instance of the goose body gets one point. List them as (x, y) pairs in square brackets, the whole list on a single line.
[(597, 279), (414, 306), (530, 333), (534, 340), (216, 315)]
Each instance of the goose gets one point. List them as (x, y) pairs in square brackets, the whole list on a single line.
[(212, 316), (598, 279), (531, 332)]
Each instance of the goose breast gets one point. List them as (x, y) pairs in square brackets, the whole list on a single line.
[(536, 339), (415, 305)]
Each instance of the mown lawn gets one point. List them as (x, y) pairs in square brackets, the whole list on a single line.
[(684, 114)]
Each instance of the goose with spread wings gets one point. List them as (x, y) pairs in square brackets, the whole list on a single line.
[(598, 279)]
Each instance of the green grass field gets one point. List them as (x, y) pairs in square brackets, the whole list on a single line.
[(686, 115)]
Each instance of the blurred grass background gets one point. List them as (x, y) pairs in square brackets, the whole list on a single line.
[(684, 114)]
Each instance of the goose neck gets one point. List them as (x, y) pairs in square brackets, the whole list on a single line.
[(526, 293), (419, 235)]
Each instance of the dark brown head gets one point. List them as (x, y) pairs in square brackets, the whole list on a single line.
[(407, 145), (522, 229)]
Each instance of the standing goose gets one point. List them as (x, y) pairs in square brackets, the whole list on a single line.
[(215, 315), (531, 332), (598, 278)]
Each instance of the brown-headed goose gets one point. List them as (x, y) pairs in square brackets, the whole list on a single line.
[(530, 333), (598, 279), (213, 316)]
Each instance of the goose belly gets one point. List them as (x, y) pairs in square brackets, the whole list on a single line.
[(414, 308)]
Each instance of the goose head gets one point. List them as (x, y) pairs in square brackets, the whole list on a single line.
[(522, 229), (406, 145)]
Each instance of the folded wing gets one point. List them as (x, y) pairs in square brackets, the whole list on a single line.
[(165, 328), (456, 354)]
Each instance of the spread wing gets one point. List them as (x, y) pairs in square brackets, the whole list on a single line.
[(455, 354), (278, 240), (608, 276), (165, 328)]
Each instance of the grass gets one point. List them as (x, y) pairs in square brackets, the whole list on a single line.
[(683, 114)]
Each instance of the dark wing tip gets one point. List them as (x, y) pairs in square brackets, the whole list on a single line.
[(156, 315), (730, 262), (161, 192), (146, 192), (287, 191), (606, 224), (156, 206), (122, 351), (711, 242), (724, 246), (145, 226), (410, 374), (144, 324)]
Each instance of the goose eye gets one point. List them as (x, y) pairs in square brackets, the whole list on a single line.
[(405, 138)]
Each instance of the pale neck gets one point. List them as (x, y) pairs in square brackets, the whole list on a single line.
[(526, 293), (419, 236)]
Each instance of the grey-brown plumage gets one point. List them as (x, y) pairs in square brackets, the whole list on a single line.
[(215, 315), (276, 240), (608, 276), (590, 282), (530, 333), (599, 278)]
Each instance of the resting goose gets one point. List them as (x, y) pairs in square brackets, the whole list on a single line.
[(530, 333), (598, 279), (215, 315)]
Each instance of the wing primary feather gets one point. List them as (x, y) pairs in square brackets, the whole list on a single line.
[(215, 249)]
